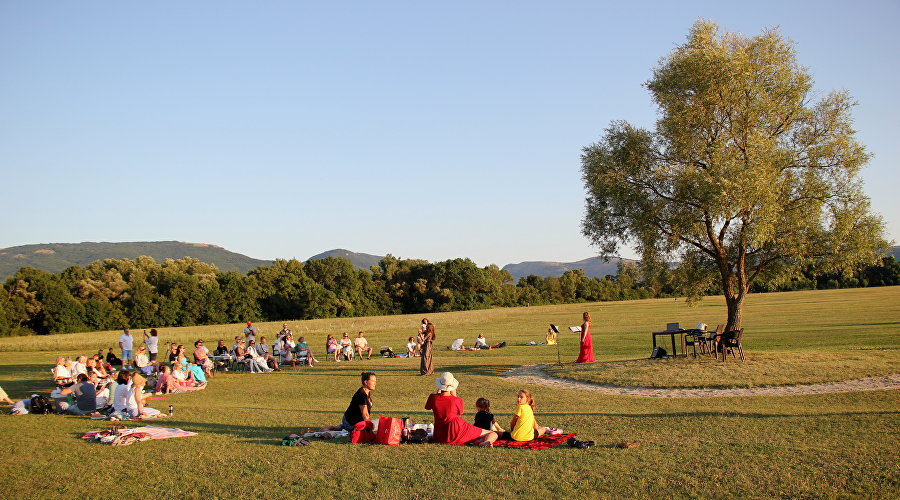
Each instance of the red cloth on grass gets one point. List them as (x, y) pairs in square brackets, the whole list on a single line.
[(540, 443)]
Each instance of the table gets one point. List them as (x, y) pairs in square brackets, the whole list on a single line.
[(672, 334)]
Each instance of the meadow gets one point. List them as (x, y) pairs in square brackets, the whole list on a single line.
[(827, 445)]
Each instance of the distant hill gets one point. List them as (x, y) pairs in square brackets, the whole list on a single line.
[(594, 267), (359, 260), (54, 257), (895, 251)]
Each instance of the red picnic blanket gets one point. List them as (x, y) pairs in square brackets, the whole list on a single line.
[(541, 443)]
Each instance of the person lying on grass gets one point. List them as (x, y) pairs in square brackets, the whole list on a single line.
[(449, 426), (360, 405)]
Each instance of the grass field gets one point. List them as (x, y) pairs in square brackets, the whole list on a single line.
[(832, 445)]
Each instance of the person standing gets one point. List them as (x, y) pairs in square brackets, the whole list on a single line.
[(126, 343), (152, 342), (426, 365), (586, 352), (250, 332)]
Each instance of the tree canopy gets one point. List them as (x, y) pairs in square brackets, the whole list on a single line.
[(745, 177)]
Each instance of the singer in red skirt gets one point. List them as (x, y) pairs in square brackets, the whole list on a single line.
[(586, 353)]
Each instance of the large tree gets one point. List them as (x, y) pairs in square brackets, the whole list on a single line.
[(745, 176)]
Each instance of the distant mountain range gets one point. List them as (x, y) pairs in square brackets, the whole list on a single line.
[(359, 260), (594, 267), (54, 257)]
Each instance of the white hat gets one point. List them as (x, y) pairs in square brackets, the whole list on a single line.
[(446, 382)]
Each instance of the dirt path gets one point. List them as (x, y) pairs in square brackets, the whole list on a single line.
[(535, 374)]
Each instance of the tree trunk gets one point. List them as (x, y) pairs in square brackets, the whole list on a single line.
[(735, 305)]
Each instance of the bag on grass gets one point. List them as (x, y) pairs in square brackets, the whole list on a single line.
[(41, 405), (658, 353), (363, 432), (390, 430)]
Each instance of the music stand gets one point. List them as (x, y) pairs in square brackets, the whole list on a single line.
[(556, 331)]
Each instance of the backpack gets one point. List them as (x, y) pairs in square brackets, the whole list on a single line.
[(41, 405), (658, 353)]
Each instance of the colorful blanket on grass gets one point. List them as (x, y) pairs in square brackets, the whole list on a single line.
[(145, 433), (541, 443)]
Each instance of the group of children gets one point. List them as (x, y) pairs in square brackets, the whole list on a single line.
[(523, 426)]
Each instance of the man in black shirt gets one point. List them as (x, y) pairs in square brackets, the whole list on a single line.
[(360, 404)]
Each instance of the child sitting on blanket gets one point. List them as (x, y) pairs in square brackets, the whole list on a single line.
[(484, 418), (524, 426)]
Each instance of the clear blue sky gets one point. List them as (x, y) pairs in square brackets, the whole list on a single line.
[(428, 130)]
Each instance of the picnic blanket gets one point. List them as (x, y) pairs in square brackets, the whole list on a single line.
[(541, 443), (122, 437)]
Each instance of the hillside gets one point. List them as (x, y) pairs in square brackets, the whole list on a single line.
[(594, 267), (359, 260), (54, 257)]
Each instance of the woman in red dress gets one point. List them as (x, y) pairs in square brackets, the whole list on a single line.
[(586, 353), (449, 426)]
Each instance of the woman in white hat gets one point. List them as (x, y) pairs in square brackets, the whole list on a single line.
[(449, 426)]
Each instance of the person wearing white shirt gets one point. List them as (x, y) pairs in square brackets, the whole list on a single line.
[(361, 345), (126, 343), (152, 342)]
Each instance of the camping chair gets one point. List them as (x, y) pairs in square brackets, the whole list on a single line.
[(731, 340)]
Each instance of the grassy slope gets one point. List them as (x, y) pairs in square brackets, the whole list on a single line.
[(825, 445)]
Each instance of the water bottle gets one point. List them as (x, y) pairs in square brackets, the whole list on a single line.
[(171, 410)]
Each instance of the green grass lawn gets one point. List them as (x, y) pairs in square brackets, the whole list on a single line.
[(830, 445)]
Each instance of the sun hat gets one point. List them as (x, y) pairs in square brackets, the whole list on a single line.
[(446, 382)]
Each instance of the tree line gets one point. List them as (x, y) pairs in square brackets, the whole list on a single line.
[(143, 293)]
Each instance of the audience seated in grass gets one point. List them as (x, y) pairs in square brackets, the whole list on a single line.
[(303, 351), (129, 398)]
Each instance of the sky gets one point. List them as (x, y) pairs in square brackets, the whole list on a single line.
[(430, 130)]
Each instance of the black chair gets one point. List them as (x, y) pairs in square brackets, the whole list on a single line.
[(731, 340)]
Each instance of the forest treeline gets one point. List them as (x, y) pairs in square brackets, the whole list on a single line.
[(142, 293)]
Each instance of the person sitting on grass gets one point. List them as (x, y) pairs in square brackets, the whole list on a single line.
[(142, 361), (62, 375), (188, 366), (169, 383), (129, 400), (362, 345), (360, 405), (201, 358), (173, 353), (85, 397), (481, 343), (524, 426), (112, 359), (449, 426), (484, 419), (412, 348)]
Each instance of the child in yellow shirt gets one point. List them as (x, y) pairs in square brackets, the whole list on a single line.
[(524, 426)]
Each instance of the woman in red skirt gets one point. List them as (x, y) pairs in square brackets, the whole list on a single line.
[(586, 353)]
